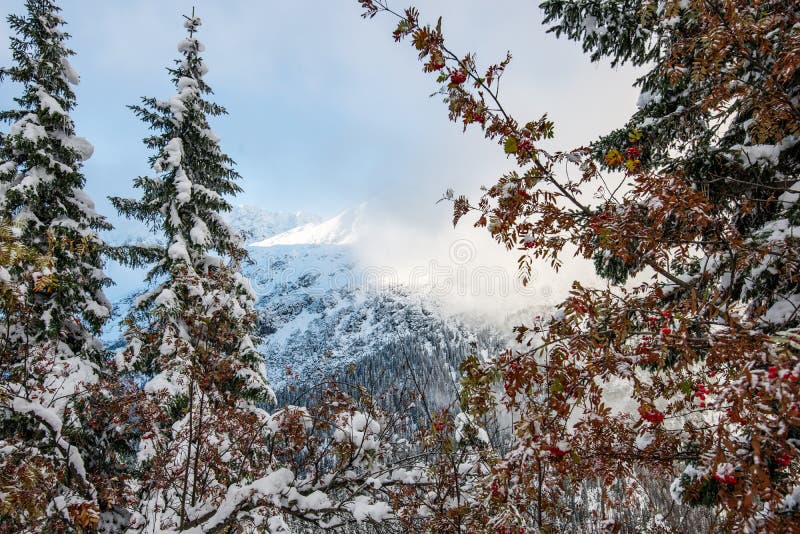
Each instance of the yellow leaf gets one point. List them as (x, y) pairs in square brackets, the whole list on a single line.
[(85, 515), (631, 164), (613, 158)]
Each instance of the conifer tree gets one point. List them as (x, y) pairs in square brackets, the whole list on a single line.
[(190, 337), (53, 447)]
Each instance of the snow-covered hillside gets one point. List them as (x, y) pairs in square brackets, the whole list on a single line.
[(322, 311)]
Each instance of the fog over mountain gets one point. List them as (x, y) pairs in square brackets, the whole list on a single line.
[(324, 310)]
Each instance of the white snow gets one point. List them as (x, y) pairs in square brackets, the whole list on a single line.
[(171, 155), (34, 177), (165, 382), (465, 426), (364, 508), (791, 501), (690, 473), (340, 230), (592, 26), (79, 145), (275, 484), (98, 310), (789, 197), (178, 251), (314, 501), (779, 230), (645, 98), (644, 440), (49, 104), (783, 310), (183, 187), (185, 82), (147, 449), (358, 428), (69, 72), (767, 154), (44, 414), (177, 107), (277, 525), (166, 298), (199, 233), (209, 134), (193, 23), (8, 166), (29, 128), (189, 45)]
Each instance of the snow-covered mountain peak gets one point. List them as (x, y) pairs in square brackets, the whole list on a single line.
[(342, 229), (257, 224), (252, 222)]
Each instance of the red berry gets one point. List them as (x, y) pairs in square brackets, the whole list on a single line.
[(726, 479), (633, 152), (458, 77), (651, 414), (773, 371)]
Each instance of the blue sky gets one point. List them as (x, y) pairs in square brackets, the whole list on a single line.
[(326, 111)]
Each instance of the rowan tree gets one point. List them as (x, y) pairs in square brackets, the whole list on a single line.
[(695, 232)]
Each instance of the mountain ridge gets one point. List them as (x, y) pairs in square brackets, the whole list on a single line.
[(323, 313)]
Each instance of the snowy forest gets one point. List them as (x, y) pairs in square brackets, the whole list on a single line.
[(245, 385)]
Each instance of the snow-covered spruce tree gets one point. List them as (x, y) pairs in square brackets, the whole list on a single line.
[(57, 453), (190, 337), (210, 459)]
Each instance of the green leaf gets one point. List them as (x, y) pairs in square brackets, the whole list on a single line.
[(557, 386), (634, 135), (510, 145)]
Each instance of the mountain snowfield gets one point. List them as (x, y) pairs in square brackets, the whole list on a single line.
[(324, 312), (342, 229)]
